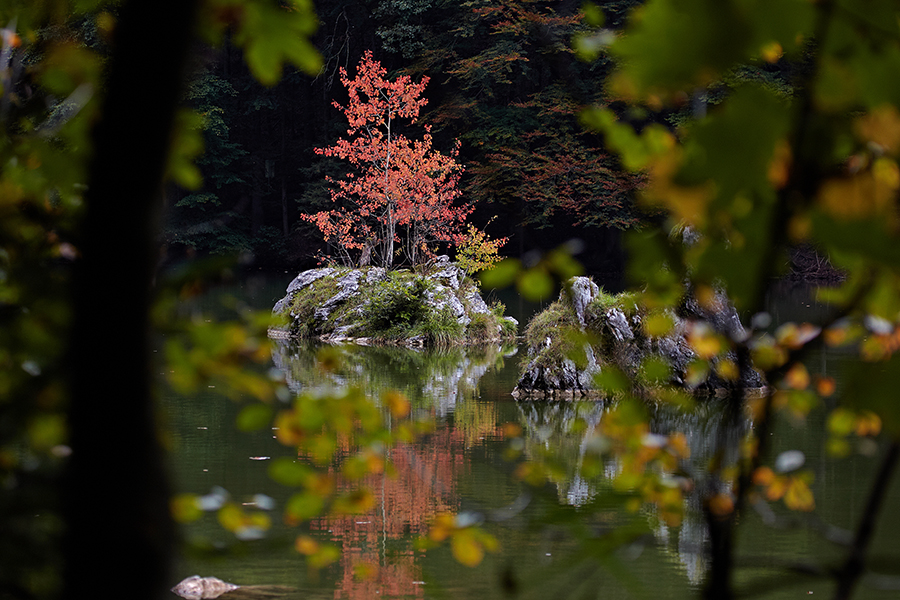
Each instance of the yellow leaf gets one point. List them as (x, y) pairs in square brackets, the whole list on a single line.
[(771, 52), (511, 430), (365, 571), (397, 403), (776, 488), (287, 430), (326, 555), (231, 517), (721, 505), (357, 502), (185, 508), (306, 545), (880, 126), (841, 422), (797, 377), (466, 549), (678, 444), (864, 195), (658, 324), (799, 496), (704, 341), (728, 370), (763, 476), (868, 424), (825, 386)]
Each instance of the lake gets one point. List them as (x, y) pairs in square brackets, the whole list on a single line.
[(462, 466)]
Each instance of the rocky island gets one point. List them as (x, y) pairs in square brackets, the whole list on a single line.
[(585, 330), (434, 305)]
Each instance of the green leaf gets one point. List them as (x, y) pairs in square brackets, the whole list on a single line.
[(535, 284), (502, 275), (271, 36), (185, 508), (305, 506), (874, 387), (287, 471), (254, 417), (611, 379)]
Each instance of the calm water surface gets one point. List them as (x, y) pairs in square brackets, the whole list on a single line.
[(460, 467)]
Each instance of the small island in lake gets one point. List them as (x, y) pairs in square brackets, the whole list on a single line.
[(435, 305), (587, 330)]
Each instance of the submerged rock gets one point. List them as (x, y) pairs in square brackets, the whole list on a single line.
[(585, 331), (370, 305)]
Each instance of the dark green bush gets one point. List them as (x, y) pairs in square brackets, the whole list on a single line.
[(397, 304)]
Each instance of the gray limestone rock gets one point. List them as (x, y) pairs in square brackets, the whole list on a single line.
[(620, 341), (203, 588), (581, 292), (343, 315)]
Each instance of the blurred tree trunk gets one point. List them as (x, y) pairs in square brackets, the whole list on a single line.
[(119, 532)]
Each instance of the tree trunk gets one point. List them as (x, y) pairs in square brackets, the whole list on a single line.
[(256, 210), (119, 537)]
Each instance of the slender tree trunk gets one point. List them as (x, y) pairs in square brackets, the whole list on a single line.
[(389, 238), (286, 226), (256, 209), (119, 537)]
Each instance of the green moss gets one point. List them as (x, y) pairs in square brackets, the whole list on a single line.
[(567, 338), (394, 309), (627, 302), (304, 304), (549, 322)]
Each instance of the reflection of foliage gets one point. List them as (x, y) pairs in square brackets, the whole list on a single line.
[(477, 420)]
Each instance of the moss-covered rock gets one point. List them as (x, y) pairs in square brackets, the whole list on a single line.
[(440, 306), (587, 330)]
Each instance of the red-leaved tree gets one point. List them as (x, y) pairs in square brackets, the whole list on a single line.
[(402, 192)]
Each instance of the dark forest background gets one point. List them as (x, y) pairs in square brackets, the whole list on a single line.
[(504, 80)]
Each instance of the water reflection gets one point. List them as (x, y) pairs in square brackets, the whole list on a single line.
[(378, 555), (458, 467), (380, 542), (439, 379), (566, 434)]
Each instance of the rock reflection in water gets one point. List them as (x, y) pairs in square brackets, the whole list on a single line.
[(434, 378), (559, 428)]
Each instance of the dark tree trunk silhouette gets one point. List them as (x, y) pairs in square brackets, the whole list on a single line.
[(119, 531)]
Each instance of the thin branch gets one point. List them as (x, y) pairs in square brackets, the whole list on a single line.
[(849, 574)]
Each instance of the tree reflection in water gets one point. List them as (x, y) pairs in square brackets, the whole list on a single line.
[(378, 554)]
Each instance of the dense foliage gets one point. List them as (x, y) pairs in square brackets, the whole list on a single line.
[(400, 188), (505, 83), (805, 152), (756, 165)]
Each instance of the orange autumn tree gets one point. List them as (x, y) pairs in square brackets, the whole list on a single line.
[(400, 196)]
